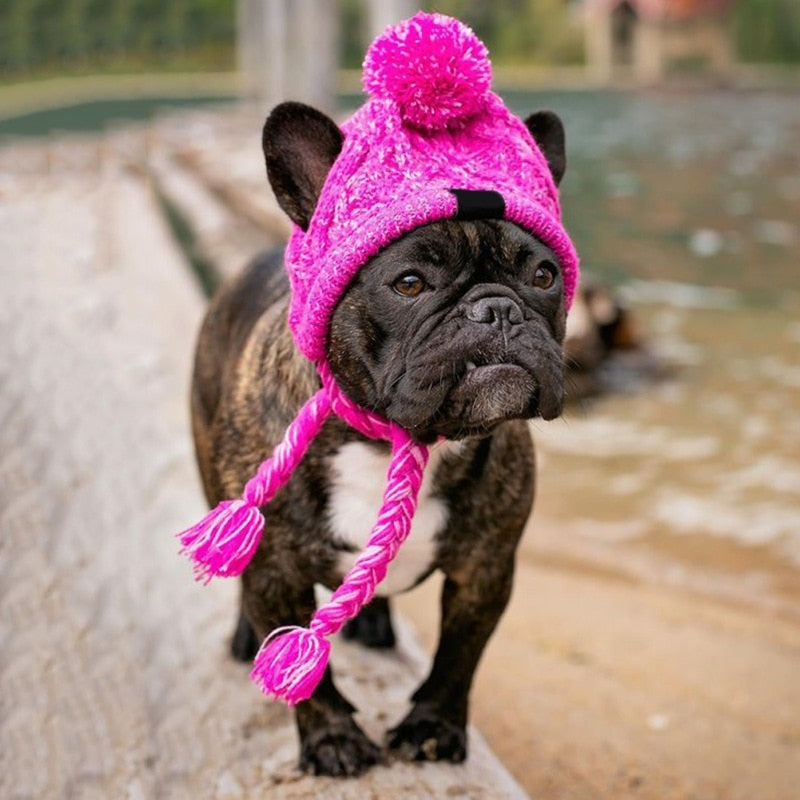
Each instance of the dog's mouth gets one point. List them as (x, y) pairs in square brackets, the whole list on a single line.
[(492, 390), (485, 395), (471, 395)]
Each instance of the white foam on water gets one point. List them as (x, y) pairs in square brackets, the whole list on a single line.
[(607, 437), (749, 523), (681, 295)]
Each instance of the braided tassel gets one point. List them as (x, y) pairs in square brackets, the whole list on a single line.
[(292, 660), (224, 541)]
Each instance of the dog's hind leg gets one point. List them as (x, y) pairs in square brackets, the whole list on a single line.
[(244, 643), (373, 625)]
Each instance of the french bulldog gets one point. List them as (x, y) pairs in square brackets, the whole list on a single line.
[(454, 331)]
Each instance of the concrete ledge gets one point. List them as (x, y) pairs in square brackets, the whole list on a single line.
[(379, 684), (114, 676)]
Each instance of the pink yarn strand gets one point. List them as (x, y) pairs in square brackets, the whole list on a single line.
[(290, 664), (224, 541), (278, 468), (389, 532), (292, 661), (363, 420)]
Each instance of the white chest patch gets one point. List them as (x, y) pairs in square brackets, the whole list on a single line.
[(358, 477)]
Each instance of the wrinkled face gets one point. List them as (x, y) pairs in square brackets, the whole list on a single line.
[(454, 328)]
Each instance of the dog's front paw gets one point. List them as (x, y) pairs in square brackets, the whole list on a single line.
[(425, 736), (339, 749)]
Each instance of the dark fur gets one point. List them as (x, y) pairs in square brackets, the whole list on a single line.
[(405, 357)]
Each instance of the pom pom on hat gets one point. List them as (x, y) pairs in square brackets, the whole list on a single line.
[(434, 67)]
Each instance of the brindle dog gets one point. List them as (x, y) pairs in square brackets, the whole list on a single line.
[(454, 331)]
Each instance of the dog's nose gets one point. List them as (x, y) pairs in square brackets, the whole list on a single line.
[(499, 311)]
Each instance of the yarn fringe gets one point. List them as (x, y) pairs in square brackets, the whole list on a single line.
[(223, 542), (290, 664)]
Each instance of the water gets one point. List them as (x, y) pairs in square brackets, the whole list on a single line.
[(688, 203), (95, 115)]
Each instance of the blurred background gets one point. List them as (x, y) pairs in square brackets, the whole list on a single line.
[(652, 648)]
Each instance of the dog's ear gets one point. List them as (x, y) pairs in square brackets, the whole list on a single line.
[(548, 131), (300, 145)]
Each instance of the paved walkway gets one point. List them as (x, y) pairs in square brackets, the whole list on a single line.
[(114, 676)]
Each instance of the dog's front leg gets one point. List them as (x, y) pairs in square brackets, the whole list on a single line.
[(330, 741), (435, 728)]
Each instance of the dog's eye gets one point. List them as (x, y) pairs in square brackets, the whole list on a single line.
[(409, 285), (545, 275)]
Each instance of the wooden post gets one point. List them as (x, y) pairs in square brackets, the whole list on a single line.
[(648, 52), (312, 55), (288, 50), (246, 53), (381, 13), (599, 42)]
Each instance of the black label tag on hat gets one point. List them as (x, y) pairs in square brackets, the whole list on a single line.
[(478, 204)]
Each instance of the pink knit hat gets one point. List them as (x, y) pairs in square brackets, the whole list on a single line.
[(432, 142), (431, 126)]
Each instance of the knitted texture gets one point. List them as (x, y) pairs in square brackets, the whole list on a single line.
[(430, 125)]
